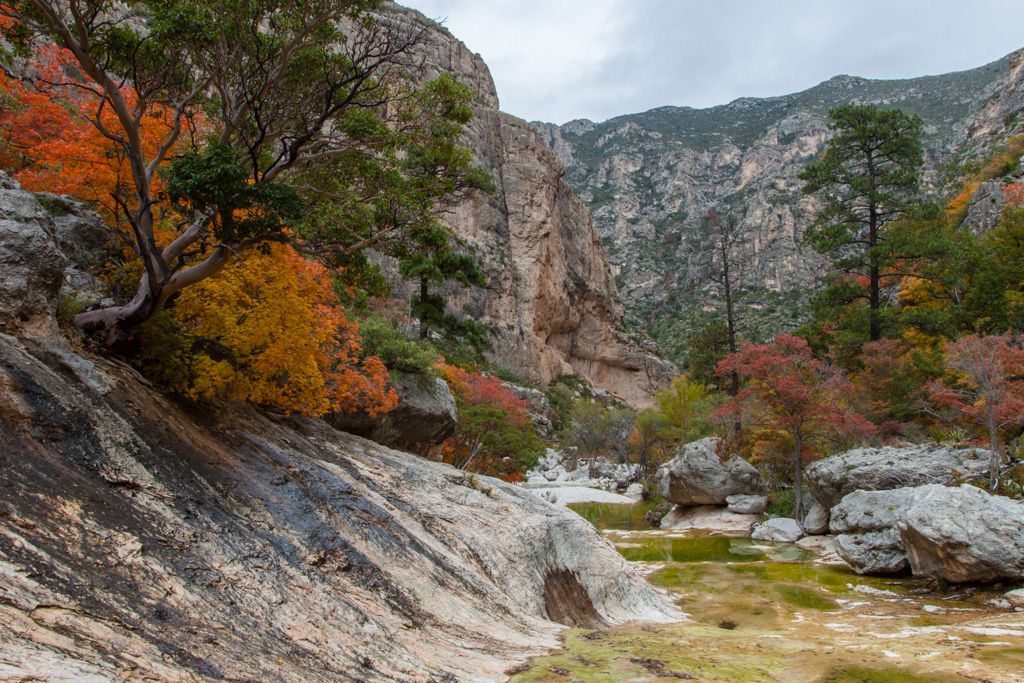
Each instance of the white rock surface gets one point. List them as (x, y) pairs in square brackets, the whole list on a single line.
[(268, 549), (824, 547), (1015, 598), (746, 505), (566, 495), (711, 518), (778, 530)]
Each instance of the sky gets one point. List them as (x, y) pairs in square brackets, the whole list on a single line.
[(558, 60)]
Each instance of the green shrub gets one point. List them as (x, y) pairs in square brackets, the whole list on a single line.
[(399, 353)]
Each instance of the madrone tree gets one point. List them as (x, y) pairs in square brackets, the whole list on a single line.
[(300, 119), (867, 179)]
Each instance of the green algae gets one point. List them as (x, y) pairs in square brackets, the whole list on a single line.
[(651, 653), (717, 549), (858, 674), (615, 517), (807, 598), (1012, 657)]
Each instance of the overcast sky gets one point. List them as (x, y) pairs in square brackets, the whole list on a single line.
[(558, 60)]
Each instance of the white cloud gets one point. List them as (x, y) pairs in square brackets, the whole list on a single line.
[(556, 60)]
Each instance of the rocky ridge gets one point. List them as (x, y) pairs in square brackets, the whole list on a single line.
[(650, 180), (551, 300)]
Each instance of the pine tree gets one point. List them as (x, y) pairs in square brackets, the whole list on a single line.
[(867, 179)]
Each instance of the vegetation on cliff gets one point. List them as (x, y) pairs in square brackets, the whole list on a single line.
[(245, 157)]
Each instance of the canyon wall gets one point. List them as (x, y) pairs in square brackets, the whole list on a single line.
[(550, 300)]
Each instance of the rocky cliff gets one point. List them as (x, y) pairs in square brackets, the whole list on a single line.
[(650, 180), (143, 539), (551, 299)]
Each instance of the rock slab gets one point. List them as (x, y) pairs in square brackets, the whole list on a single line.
[(778, 530), (883, 469), (183, 544), (711, 518)]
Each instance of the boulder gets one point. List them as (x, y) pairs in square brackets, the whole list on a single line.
[(746, 505), (712, 518), (881, 469), (778, 530), (1015, 598), (81, 234), (867, 537), (873, 552), (696, 476), (424, 417), (816, 520), (635, 491), (31, 264), (964, 534)]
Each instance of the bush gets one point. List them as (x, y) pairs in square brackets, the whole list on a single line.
[(494, 434), (267, 329), (400, 354)]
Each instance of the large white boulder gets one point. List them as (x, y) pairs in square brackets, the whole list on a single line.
[(778, 530), (697, 476), (816, 520), (865, 526), (964, 534)]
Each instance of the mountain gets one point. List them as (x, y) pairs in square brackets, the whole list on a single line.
[(650, 180)]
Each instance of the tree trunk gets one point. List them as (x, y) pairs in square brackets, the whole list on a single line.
[(798, 479), (993, 440), (424, 291), (876, 299), (730, 320)]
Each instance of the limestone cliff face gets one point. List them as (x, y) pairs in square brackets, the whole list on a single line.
[(551, 298), (650, 179)]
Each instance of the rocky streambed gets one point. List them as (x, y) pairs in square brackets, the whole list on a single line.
[(765, 612)]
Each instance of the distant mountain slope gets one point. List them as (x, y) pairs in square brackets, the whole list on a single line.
[(650, 180)]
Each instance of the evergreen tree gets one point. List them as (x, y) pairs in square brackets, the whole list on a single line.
[(867, 179), (432, 263)]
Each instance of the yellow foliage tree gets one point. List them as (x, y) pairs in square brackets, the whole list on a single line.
[(686, 405), (267, 329)]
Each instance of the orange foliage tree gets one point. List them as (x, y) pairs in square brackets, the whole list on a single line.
[(267, 329), (984, 386), (315, 124), (790, 396), (494, 434), (49, 144)]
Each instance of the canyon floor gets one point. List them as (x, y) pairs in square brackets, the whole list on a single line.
[(767, 613)]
